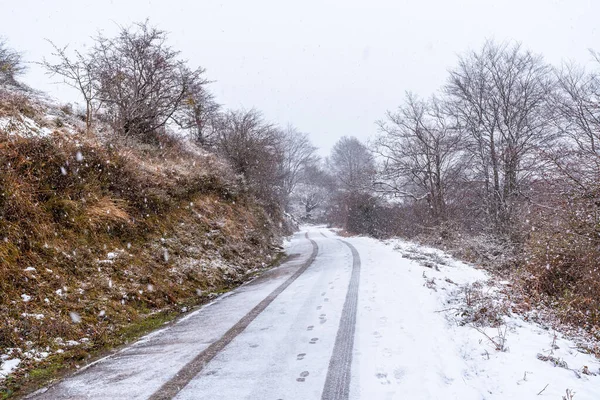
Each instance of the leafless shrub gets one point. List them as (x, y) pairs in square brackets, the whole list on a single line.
[(141, 81), (253, 147), (499, 341), (569, 395), (199, 113), (138, 82), (11, 64), (478, 308), (77, 72)]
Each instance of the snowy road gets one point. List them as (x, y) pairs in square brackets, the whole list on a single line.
[(343, 318)]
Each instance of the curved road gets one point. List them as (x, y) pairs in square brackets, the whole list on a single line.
[(286, 335)]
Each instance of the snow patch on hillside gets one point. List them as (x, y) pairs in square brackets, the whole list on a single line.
[(23, 126)]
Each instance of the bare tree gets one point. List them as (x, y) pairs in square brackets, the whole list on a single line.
[(353, 168), (500, 98), (78, 72), (141, 81), (199, 113), (253, 147), (578, 104), (298, 154), (313, 190), (352, 164), (421, 154), (11, 64)]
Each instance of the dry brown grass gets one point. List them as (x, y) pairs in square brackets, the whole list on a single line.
[(106, 212), (561, 262), (117, 234), (16, 104)]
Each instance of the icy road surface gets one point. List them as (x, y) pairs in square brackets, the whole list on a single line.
[(343, 318)]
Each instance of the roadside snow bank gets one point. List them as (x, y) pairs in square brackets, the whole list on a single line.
[(432, 327)]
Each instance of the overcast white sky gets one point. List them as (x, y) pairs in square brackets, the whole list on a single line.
[(331, 68)]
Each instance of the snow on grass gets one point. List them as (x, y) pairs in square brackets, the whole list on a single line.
[(23, 126), (9, 362), (7, 366), (30, 315), (418, 338)]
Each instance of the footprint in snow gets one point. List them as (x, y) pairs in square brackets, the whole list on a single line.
[(300, 356), (319, 307), (310, 327), (383, 378), (303, 376), (313, 340), (399, 374), (377, 334)]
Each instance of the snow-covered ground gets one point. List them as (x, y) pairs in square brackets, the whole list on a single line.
[(427, 327), (413, 341), (8, 365)]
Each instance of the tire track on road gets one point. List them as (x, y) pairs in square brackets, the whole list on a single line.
[(172, 387), (337, 382)]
